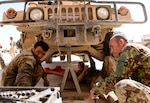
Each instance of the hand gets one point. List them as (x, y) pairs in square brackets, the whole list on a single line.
[(85, 68), (93, 94), (46, 83)]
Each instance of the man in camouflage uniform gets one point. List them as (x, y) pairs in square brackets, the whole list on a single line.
[(131, 80), (2, 63), (25, 69)]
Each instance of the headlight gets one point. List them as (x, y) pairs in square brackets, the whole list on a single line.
[(36, 14), (103, 13)]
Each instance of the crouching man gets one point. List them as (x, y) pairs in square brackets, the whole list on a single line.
[(131, 80), (25, 69)]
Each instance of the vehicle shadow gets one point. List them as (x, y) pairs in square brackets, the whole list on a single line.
[(69, 94)]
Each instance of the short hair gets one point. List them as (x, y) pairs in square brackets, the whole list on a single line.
[(11, 37), (81, 64), (119, 35), (42, 44)]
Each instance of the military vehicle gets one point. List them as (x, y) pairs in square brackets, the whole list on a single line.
[(70, 27)]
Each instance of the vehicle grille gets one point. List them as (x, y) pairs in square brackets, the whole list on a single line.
[(72, 13)]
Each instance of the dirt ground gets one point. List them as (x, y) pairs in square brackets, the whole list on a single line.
[(69, 94)]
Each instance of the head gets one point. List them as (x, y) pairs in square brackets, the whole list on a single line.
[(81, 65), (117, 43), (40, 49), (11, 38)]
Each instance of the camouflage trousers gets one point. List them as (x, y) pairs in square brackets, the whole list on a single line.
[(130, 91), (92, 76)]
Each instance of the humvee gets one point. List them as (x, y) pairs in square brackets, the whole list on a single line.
[(70, 27)]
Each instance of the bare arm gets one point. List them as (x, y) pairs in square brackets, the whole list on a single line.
[(81, 76), (46, 82)]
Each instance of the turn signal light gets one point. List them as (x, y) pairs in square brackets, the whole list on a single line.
[(123, 11), (11, 13)]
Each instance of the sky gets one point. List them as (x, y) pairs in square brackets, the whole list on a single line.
[(135, 31), (8, 31), (132, 31)]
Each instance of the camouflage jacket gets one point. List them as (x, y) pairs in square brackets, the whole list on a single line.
[(23, 70), (134, 63)]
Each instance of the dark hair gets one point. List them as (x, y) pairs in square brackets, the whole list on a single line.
[(81, 64), (44, 45), (11, 37)]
